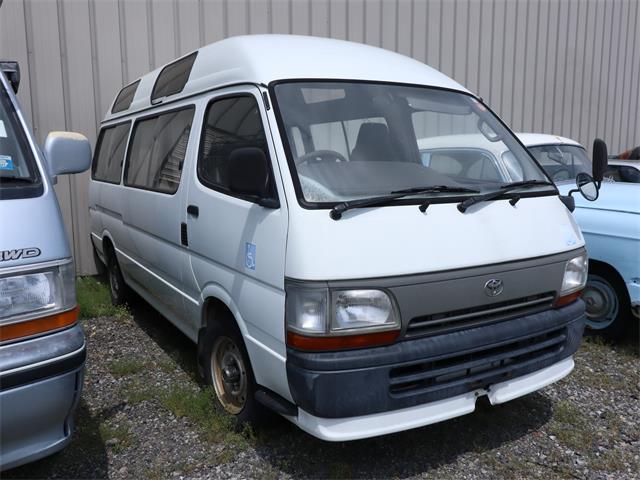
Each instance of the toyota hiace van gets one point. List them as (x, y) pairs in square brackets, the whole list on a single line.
[(267, 195), (42, 348)]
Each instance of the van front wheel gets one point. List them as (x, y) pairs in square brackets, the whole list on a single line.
[(228, 369), (118, 290)]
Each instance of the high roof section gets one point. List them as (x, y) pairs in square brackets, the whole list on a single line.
[(261, 59)]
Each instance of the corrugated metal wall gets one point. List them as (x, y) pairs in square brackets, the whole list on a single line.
[(568, 67)]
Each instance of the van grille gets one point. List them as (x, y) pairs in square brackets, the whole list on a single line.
[(478, 368), (439, 323)]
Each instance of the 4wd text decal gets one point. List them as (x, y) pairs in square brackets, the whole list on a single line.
[(6, 255)]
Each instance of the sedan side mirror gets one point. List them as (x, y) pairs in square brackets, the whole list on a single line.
[(600, 159), (66, 152), (250, 176)]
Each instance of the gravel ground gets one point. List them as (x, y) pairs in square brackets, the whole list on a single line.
[(145, 414)]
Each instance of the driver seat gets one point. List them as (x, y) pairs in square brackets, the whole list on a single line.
[(373, 144)]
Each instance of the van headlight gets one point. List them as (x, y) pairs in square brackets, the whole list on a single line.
[(576, 271), (320, 318), (358, 309), (37, 292), (575, 275)]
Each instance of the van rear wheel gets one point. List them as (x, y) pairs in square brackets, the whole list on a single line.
[(228, 369), (118, 290)]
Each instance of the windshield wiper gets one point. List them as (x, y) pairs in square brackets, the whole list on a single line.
[(436, 189), (337, 211), (462, 206), (526, 183)]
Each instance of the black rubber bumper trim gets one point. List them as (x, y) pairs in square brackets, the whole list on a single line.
[(358, 382), (42, 372)]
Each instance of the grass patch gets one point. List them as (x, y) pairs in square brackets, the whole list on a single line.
[(116, 437), (572, 427), (612, 460), (126, 366), (198, 406), (94, 300), (137, 393)]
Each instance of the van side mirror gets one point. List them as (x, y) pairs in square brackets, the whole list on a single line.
[(11, 70), (250, 175), (600, 159), (587, 186), (66, 152)]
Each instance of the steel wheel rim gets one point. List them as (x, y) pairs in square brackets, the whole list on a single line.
[(229, 375), (602, 303)]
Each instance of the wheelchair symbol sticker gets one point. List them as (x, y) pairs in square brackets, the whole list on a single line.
[(250, 256)]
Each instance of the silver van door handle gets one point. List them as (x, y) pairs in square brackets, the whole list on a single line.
[(193, 210)]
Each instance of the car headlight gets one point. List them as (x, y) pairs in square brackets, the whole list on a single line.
[(358, 309), (575, 275), (319, 318), (576, 271), (37, 293)]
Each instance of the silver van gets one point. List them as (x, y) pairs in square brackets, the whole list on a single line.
[(266, 194), (42, 347)]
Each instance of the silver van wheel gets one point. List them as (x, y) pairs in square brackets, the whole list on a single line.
[(229, 375), (114, 281)]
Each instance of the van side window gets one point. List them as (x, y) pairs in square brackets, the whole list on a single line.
[(109, 154), (125, 97), (173, 77), (157, 151), (230, 123)]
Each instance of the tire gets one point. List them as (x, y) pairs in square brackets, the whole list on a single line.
[(228, 369), (118, 289), (608, 306)]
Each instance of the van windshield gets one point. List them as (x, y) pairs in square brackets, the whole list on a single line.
[(352, 140), (17, 165)]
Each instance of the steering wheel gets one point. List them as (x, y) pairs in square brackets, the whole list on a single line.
[(563, 173), (321, 156)]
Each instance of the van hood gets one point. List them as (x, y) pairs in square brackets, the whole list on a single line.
[(32, 231), (401, 240), (615, 196)]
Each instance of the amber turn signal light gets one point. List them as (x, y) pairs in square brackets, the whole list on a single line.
[(567, 299), (341, 342), (38, 325)]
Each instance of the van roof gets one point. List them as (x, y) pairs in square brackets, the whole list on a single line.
[(262, 59)]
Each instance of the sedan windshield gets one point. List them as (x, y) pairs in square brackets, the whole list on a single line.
[(562, 162), (349, 141)]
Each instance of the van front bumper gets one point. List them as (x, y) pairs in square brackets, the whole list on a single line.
[(40, 386), (432, 378)]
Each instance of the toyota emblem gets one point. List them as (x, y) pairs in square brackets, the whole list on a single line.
[(493, 287)]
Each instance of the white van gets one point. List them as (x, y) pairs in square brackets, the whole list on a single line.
[(266, 194), (42, 347)]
